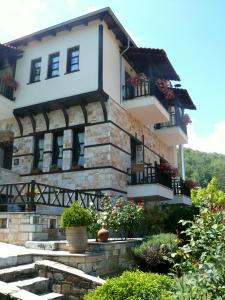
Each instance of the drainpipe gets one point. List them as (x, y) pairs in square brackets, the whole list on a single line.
[(182, 161), (121, 55)]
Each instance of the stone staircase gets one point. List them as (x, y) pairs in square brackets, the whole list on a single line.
[(23, 283)]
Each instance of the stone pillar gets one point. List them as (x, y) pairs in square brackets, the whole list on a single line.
[(48, 148), (23, 159), (67, 149)]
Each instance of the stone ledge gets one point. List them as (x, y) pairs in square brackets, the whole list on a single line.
[(69, 270)]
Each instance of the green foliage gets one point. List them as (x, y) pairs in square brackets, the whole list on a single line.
[(135, 286), (202, 260), (155, 252), (189, 288), (121, 216), (210, 196), (165, 218), (202, 166), (75, 216)]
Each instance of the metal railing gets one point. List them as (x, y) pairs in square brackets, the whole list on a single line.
[(180, 188), (27, 195), (175, 120), (147, 174), (6, 90)]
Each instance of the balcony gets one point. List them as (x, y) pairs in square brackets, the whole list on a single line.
[(182, 193), (6, 90), (143, 105), (173, 132), (149, 183), (6, 100)]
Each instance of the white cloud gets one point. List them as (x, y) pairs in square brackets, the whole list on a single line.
[(70, 3), (19, 17), (214, 142)]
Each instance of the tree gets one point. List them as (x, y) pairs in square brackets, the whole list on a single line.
[(211, 196)]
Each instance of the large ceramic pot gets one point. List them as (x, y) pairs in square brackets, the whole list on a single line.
[(77, 239)]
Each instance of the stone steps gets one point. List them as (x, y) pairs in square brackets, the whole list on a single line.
[(51, 296), (25, 295), (15, 260), (35, 285), (18, 273), (22, 283)]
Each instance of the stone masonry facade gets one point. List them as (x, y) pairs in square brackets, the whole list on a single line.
[(107, 147)]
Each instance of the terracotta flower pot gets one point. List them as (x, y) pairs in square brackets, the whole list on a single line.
[(77, 239), (103, 234)]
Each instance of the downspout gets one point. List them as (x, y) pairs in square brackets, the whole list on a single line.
[(121, 55)]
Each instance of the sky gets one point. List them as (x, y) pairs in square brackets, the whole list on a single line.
[(192, 32)]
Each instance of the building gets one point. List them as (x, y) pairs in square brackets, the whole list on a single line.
[(83, 107)]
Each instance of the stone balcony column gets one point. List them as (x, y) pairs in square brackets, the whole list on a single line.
[(67, 149), (48, 150)]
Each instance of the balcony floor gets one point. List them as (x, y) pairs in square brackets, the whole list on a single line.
[(171, 136), (153, 191), (147, 109)]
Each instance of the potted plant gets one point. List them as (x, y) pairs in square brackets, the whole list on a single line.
[(191, 184), (36, 171), (55, 168), (168, 169), (75, 166), (75, 220), (186, 119), (165, 88)]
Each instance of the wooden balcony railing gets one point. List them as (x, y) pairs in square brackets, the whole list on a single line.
[(138, 90), (148, 174), (180, 188), (145, 88), (26, 196), (6, 90), (175, 120)]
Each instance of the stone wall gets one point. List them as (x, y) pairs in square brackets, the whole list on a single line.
[(17, 228), (100, 259), (8, 176), (70, 282), (107, 148)]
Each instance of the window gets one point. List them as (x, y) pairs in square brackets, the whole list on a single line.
[(58, 150), (35, 71), (73, 60), (39, 152), (3, 223), (78, 148), (53, 65)]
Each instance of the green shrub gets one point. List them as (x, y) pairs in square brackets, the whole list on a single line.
[(75, 216), (203, 258), (165, 218), (135, 286), (154, 254)]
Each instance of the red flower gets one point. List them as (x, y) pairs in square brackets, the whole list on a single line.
[(141, 203)]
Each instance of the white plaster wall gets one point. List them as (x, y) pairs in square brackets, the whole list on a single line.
[(75, 83), (111, 64)]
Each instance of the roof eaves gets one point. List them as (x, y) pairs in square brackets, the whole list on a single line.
[(69, 24)]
